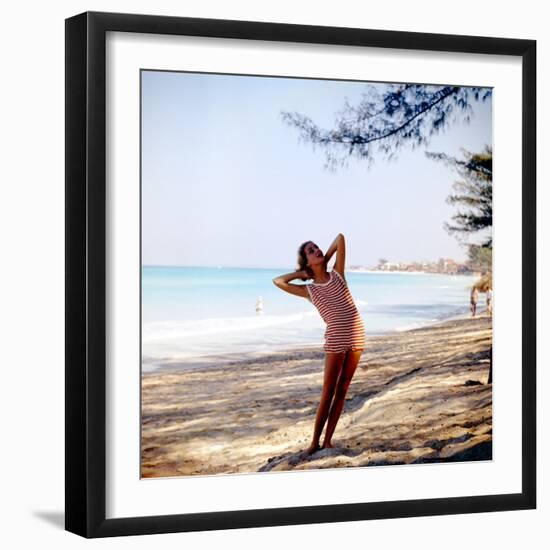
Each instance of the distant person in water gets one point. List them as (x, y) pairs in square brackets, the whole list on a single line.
[(345, 332), (489, 297), (473, 300), (259, 305)]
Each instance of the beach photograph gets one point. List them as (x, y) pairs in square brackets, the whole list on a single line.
[(316, 274)]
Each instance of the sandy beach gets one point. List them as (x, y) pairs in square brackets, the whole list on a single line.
[(417, 396)]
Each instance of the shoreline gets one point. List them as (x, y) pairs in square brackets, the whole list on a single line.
[(202, 361), (418, 396)]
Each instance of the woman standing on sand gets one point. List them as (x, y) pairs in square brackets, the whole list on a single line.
[(345, 333)]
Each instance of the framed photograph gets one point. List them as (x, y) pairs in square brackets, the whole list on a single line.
[(293, 294)]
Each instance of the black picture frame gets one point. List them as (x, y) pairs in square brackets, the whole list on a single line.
[(85, 372)]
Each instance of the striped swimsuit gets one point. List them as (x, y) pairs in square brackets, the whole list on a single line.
[(345, 329)]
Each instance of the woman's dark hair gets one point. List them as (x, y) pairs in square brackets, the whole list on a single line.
[(302, 260)]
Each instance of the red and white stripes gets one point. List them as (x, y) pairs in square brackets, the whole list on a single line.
[(333, 300)]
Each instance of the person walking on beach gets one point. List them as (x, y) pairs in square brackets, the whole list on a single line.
[(345, 332), (489, 297), (473, 300)]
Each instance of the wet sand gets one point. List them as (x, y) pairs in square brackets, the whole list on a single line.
[(417, 396)]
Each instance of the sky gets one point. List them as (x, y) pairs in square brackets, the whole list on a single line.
[(225, 182)]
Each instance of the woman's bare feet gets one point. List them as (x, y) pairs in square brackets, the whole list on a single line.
[(327, 445), (312, 448)]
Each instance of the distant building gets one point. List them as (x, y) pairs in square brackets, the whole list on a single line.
[(389, 266), (446, 266)]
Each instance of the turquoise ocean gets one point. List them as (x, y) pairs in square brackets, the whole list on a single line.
[(195, 315)]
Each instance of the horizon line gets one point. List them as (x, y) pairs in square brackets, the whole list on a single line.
[(289, 267)]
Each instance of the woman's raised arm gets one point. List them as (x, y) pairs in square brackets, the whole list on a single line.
[(338, 246), (283, 283)]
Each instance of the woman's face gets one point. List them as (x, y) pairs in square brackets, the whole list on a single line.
[(314, 254)]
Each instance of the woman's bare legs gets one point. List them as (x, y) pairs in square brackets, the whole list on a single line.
[(348, 369), (333, 366)]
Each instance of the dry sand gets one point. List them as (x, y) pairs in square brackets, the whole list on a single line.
[(417, 396)]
